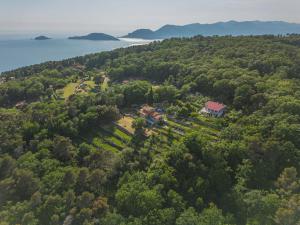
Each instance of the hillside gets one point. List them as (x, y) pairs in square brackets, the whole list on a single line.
[(221, 28), (142, 34), (76, 149), (95, 37)]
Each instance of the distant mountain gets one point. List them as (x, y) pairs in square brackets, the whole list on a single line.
[(41, 38), (95, 37), (221, 28)]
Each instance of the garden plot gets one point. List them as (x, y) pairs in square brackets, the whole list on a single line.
[(98, 142), (126, 123)]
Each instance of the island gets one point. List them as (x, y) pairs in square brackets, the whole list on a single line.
[(42, 38), (95, 37)]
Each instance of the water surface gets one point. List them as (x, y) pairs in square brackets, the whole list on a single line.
[(18, 53)]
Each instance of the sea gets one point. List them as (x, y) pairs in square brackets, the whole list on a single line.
[(20, 52)]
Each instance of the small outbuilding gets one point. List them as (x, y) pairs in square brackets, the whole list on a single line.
[(212, 108), (21, 105)]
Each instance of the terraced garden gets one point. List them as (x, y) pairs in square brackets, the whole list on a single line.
[(109, 137)]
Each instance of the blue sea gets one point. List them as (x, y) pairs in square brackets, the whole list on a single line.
[(15, 53)]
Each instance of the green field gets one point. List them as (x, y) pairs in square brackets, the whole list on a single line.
[(90, 83), (69, 90), (104, 85)]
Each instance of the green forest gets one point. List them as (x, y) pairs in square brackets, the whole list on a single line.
[(75, 151)]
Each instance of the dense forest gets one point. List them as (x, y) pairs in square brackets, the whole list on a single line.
[(66, 159)]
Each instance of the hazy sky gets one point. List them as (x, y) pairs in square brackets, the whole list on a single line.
[(121, 16)]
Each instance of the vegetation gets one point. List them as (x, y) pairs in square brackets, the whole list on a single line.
[(73, 161)]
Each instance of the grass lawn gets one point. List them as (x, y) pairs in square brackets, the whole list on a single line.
[(90, 83), (104, 85), (126, 123), (69, 90)]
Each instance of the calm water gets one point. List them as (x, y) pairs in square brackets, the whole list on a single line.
[(18, 53)]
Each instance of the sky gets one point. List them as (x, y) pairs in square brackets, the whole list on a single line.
[(119, 17)]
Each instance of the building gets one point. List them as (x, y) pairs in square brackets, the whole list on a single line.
[(151, 115), (21, 105), (213, 109)]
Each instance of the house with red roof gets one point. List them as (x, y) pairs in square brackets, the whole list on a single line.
[(151, 115), (213, 109)]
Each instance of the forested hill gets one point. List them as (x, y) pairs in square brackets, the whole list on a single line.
[(219, 28), (74, 149)]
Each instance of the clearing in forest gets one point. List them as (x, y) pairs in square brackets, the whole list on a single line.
[(104, 85), (69, 90), (78, 87)]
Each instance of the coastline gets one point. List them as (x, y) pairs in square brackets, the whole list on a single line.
[(17, 57)]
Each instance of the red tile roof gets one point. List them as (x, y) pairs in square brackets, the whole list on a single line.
[(150, 111), (214, 106)]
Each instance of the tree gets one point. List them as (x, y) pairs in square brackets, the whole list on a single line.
[(139, 124), (83, 151), (289, 212), (242, 96), (83, 217), (7, 165), (63, 149), (51, 207), (112, 219), (69, 179), (98, 79), (26, 184), (82, 180), (29, 219), (85, 200), (288, 183), (150, 96), (212, 216), (188, 217), (160, 217), (97, 179), (166, 93), (134, 197), (224, 90), (261, 206), (100, 206), (136, 92)]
